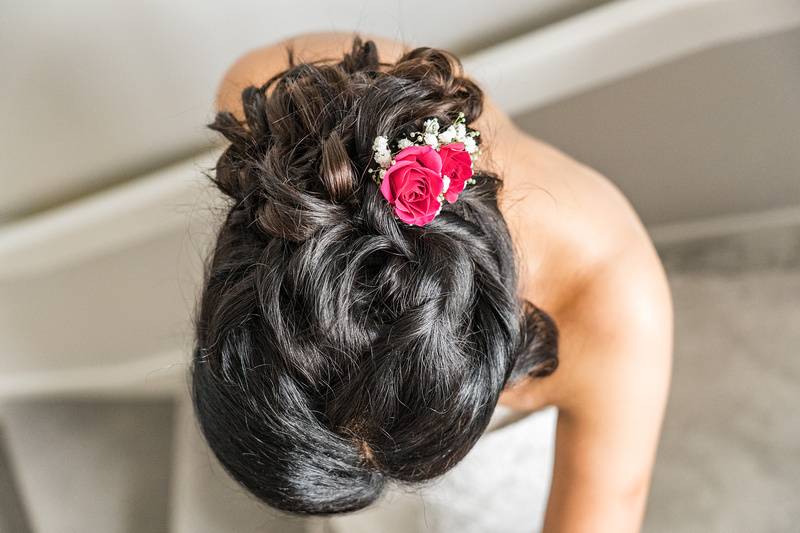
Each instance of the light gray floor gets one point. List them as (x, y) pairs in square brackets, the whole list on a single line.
[(729, 460), (92, 467)]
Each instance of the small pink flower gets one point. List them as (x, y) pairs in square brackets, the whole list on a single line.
[(456, 165), (413, 184)]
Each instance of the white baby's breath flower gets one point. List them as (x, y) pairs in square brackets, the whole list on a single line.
[(431, 139), (380, 144), (447, 136), (383, 158), (431, 126), (381, 148), (446, 181), (461, 132), (469, 145), (404, 143)]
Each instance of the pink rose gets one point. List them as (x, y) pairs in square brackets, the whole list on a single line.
[(413, 183), (456, 165)]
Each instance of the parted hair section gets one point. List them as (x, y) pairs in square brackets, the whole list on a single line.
[(338, 349)]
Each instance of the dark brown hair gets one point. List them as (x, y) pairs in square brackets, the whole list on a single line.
[(338, 348)]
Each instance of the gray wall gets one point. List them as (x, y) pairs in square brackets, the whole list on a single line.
[(717, 132)]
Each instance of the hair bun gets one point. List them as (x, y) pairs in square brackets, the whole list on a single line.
[(336, 349)]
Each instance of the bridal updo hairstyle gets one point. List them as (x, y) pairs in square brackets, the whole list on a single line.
[(337, 348)]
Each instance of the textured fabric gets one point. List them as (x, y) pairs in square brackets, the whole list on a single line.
[(500, 486)]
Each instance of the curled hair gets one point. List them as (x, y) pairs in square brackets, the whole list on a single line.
[(336, 348)]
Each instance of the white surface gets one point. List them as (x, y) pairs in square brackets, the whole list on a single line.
[(96, 297), (110, 220), (615, 40), (724, 225), (159, 375), (116, 310)]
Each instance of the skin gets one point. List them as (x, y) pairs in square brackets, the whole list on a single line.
[(585, 258)]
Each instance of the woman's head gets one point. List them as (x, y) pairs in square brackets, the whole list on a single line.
[(338, 348)]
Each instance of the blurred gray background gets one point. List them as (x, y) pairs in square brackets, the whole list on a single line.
[(104, 106)]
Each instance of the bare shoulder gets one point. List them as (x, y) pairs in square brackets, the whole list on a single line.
[(586, 258)]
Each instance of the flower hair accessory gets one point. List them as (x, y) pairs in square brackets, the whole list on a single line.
[(426, 169)]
